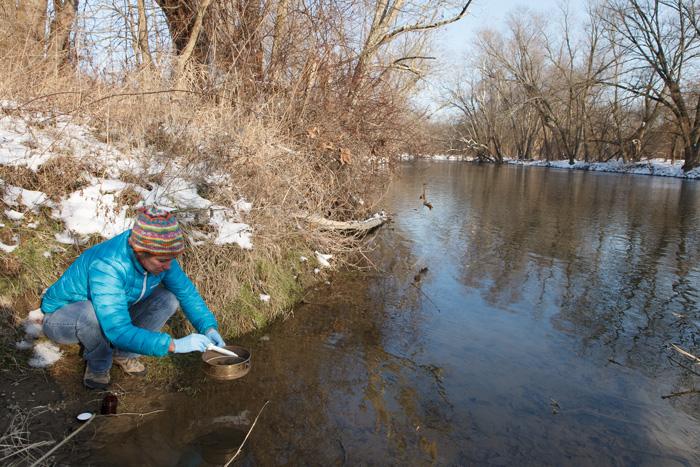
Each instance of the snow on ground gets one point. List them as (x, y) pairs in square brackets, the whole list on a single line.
[(20, 145), (32, 140), (231, 231), (16, 196), (94, 210), (14, 215), (8, 248), (323, 259), (45, 354)]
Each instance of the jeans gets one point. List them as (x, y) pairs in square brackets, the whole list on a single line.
[(77, 322)]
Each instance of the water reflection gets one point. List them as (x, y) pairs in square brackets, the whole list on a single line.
[(536, 336), (613, 259)]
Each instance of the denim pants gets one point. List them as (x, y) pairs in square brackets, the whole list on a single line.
[(77, 322)]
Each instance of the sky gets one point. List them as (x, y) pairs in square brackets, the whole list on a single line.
[(454, 41)]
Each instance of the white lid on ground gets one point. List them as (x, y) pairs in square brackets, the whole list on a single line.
[(85, 416)]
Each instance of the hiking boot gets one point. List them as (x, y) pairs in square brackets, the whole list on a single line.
[(93, 380), (131, 366)]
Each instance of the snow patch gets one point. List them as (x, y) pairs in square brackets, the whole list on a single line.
[(658, 167), (32, 139), (16, 196), (33, 329), (231, 231), (14, 215), (8, 248), (94, 210), (323, 259), (45, 354), (36, 315)]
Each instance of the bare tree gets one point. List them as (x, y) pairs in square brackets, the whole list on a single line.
[(392, 19), (65, 12), (663, 37)]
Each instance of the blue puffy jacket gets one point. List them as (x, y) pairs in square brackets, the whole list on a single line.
[(110, 276)]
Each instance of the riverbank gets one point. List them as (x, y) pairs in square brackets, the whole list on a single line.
[(237, 183)]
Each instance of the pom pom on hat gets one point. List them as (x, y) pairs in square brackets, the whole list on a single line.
[(157, 232)]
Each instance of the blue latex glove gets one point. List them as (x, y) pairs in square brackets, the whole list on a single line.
[(192, 343), (215, 337)]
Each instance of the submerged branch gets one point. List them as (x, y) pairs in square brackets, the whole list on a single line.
[(681, 393), (686, 353)]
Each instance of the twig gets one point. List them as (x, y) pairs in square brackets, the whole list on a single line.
[(52, 450), (246, 436), (681, 393), (134, 413), (684, 353), (680, 364), (426, 296)]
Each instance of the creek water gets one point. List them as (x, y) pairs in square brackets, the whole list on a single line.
[(538, 335)]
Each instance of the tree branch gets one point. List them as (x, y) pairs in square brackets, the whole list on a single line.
[(422, 27)]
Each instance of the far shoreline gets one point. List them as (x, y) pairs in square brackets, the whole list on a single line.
[(651, 167)]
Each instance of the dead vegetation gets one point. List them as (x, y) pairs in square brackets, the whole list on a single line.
[(618, 81), (18, 445), (301, 108)]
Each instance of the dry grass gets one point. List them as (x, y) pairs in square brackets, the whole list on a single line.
[(320, 160), (16, 445)]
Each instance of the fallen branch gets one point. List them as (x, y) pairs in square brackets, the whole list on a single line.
[(680, 393), (329, 224), (680, 364), (686, 354), (247, 435)]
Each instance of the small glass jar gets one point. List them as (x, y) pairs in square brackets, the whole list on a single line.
[(109, 404)]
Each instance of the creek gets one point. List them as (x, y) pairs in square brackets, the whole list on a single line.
[(525, 319)]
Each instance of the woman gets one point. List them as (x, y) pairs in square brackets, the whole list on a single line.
[(117, 295)]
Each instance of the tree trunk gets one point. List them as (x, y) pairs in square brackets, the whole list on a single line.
[(61, 27), (692, 157), (143, 49), (278, 40)]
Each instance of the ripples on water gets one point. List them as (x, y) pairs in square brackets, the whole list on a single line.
[(538, 335)]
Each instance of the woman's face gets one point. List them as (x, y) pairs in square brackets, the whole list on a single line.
[(155, 264)]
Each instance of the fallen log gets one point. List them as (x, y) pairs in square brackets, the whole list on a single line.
[(352, 226)]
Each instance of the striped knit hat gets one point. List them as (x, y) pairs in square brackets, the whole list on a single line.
[(157, 232)]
